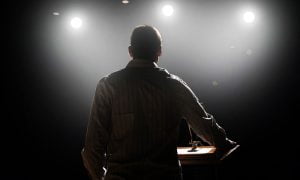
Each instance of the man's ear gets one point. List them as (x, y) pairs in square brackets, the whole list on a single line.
[(159, 52), (130, 51)]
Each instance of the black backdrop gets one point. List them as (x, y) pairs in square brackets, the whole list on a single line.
[(37, 146)]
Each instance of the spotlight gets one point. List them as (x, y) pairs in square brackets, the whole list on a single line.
[(125, 1), (167, 10), (249, 17), (55, 13), (76, 22)]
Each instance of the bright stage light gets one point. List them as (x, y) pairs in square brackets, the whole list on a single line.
[(125, 1), (249, 17), (55, 13), (76, 22), (167, 10)]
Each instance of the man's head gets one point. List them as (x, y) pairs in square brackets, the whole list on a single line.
[(145, 43)]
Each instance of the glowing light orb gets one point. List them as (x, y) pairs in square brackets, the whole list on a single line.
[(76, 22), (56, 13), (125, 1), (167, 10), (249, 17)]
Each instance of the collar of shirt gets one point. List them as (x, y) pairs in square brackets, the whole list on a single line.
[(141, 63)]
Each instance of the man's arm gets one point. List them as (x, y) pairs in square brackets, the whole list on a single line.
[(202, 123), (97, 134)]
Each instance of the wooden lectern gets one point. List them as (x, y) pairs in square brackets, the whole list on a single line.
[(198, 162), (200, 156), (201, 162)]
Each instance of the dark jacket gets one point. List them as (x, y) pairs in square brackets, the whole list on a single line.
[(134, 123)]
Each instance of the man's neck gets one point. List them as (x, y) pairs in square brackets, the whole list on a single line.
[(136, 62), (148, 60)]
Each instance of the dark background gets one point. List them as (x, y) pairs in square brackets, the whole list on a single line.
[(39, 146)]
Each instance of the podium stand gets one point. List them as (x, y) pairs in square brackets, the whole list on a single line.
[(201, 162), (202, 155)]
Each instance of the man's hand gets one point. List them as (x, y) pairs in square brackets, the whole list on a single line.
[(223, 152)]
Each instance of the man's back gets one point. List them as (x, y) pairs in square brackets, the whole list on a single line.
[(144, 120)]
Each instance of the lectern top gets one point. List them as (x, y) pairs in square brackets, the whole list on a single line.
[(200, 150)]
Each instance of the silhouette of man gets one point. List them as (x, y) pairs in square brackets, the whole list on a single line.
[(135, 116)]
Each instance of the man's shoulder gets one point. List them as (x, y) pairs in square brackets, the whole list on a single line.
[(121, 74), (112, 76), (176, 79), (108, 79)]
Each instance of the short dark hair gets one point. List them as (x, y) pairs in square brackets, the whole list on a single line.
[(145, 42)]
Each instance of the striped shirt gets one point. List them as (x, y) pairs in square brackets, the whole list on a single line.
[(134, 123)]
